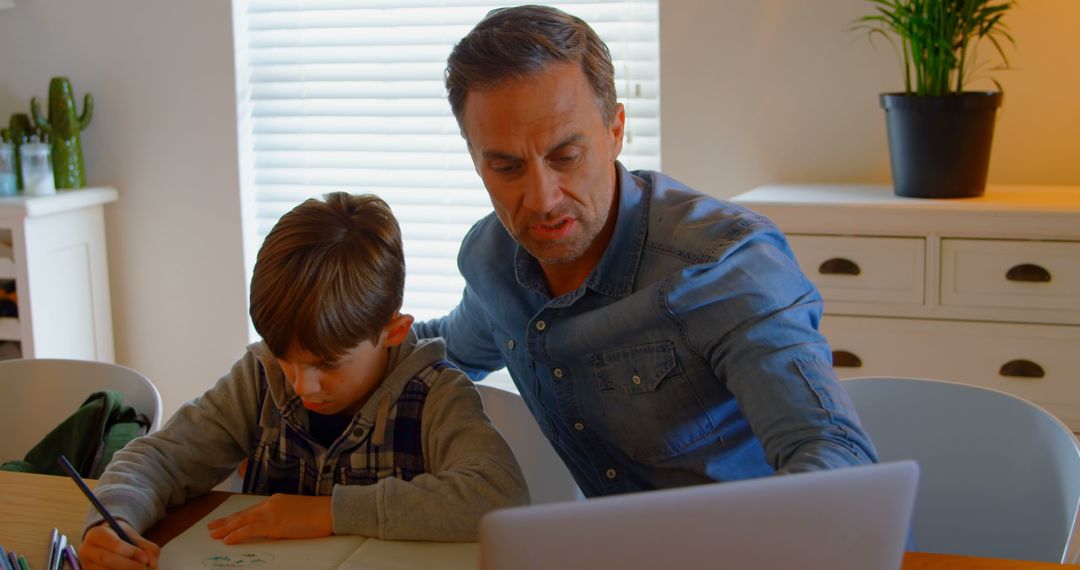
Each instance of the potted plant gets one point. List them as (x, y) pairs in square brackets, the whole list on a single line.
[(940, 134)]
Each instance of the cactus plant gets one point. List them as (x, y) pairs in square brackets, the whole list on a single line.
[(62, 127), (18, 133)]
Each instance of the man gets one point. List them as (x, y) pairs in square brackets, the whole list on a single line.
[(659, 336)]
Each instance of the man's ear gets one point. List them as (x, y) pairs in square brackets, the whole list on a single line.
[(397, 330), (618, 129)]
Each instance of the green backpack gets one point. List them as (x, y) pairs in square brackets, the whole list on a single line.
[(99, 428)]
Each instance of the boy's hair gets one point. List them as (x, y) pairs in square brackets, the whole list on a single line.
[(330, 275), (515, 42)]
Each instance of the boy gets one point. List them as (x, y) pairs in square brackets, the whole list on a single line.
[(351, 424)]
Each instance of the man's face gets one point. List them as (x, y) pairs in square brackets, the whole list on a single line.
[(548, 161)]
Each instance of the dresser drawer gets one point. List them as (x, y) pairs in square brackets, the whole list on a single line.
[(1010, 274), (1036, 362), (863, 269)]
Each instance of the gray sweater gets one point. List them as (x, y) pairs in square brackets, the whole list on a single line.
[(469, 468)]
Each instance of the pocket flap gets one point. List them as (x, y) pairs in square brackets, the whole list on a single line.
[(635, 369)]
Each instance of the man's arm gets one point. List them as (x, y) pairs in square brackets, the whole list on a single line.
[(770, 354), (467, 333)]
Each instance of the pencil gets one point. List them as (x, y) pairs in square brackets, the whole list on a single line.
[(72, 558), (53, 537), (94, 500), (58, 560), (52, 550)]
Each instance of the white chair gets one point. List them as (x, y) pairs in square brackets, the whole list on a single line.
[(38, 394), (548, 479), (1000, 476)]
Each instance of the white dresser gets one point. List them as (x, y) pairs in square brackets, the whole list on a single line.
[(52, 248), (982, 290)]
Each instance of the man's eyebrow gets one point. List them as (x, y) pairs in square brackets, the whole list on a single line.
[(573, 138), (496, 155)]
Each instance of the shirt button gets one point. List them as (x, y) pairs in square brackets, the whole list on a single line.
[(541, 325), (558, 373), (579, 426), (636, 379), (611, 473), (510, 344)]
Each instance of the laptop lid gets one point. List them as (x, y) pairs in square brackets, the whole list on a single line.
[(852, 518)]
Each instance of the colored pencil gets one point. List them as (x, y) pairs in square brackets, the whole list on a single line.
[(94, 500)]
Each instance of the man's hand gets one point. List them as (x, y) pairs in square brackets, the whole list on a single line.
[(280, 516), (102, 549)]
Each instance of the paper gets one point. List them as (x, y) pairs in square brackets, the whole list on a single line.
[(195, 550)]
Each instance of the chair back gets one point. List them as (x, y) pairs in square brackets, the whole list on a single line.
[(1000, 475), (38, 394), (548, 479)]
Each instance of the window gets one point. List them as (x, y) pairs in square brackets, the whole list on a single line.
[(348, 95)]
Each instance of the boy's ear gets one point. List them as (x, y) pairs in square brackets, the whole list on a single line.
[(398, 329)]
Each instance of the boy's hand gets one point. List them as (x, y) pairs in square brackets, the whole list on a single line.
[(102, 549), (280, 516)]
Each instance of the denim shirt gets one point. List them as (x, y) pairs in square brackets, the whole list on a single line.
[(690, 354)]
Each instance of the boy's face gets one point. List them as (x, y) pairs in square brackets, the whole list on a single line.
[(342, 386)]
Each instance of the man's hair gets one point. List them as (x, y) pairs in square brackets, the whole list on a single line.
[(330, 275), (510, 43)]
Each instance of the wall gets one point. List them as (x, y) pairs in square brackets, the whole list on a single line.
[(762, 91), (164, 135)]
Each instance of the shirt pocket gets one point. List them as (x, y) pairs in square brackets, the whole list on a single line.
[(636, 369), (364, 476), (650, 407), (277, 473)]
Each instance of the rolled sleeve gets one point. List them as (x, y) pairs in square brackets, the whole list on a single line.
[(772, 357)]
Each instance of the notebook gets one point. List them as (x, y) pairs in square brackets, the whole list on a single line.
[(844, 519), (195, 550)]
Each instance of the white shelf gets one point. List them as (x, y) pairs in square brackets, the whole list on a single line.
[(53, 248), (27, 206), (10, 329)]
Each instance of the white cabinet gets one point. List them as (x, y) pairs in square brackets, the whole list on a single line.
[(982, 291), (52, 248)]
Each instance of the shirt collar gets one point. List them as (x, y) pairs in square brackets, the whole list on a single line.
[(614, 274)]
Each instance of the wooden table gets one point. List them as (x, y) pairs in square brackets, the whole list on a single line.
[(31, 505)]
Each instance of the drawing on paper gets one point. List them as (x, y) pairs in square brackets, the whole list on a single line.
[(239, 560)]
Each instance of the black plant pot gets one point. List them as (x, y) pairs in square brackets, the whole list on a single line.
[(940, 146)]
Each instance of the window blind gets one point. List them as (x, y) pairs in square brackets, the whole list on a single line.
[(348, 95)]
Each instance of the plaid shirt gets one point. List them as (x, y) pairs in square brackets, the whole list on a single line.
[(286, 458)]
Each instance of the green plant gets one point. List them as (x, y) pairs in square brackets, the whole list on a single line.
[(938, 38)]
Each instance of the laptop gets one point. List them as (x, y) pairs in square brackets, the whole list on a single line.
[(854, 518)]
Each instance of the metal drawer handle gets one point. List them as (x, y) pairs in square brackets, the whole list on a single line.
[(1028, 272), (839, 266), (845, 359), (1021, 369)]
